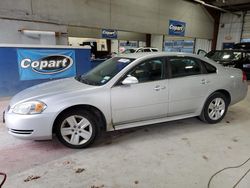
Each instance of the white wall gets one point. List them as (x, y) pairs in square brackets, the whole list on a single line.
[(123, 35), (229, 30), (152, 16), (246, 27), (115, 46), (203, 44), (142, 44), (83, 32), (9, 33), (157, 41), (147, 16)]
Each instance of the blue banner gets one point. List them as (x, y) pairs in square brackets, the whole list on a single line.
[(176, 28), (45, 64), (109, 34)]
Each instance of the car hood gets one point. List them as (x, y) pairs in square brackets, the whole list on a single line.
[(48, 89)]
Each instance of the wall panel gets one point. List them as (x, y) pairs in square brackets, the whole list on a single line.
[(147, 16)]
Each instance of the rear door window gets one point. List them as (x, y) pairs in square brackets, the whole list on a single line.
[(209, 68), (184, 66)]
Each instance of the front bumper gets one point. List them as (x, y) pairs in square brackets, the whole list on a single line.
[(3, 116), (32, 127)]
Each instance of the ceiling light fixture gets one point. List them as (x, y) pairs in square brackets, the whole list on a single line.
[(40, 32)]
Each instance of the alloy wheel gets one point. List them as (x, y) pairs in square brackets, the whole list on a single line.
[(76, 130), (216, 108)]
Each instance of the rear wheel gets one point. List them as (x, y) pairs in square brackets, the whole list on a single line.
[(76, 129), (215, 108)]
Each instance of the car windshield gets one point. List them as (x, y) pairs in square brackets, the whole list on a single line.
[(104, 72), (224, 55)]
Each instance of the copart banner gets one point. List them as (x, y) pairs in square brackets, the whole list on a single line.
[(45, 64), (176, 28)]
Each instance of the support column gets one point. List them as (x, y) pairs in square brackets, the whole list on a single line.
[(216, 16), (148, 40)]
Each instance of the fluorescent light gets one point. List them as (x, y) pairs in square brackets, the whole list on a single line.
[(37, 32)]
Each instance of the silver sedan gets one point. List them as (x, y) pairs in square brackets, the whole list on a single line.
[(125, 91)]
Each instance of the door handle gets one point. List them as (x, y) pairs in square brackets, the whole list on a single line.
[(157, 88), (204, 81)]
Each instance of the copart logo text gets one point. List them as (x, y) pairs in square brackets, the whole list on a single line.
[(177, 28), (48, 65)]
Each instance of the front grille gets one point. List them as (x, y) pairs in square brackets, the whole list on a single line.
[(15, 131)]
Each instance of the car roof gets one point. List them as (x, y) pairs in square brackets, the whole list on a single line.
[(141, 48), (155, 54), (162, 54)]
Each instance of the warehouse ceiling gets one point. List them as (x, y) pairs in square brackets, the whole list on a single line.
[(230, 5)]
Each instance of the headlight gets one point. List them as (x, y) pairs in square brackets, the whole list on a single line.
[(32, 107)]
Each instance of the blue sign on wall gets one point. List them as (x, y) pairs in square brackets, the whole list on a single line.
[(41, 64), (109, 34), (10, 82), (176, 28), (227, 45)]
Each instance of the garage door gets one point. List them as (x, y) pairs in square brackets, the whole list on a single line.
[(246, 27)]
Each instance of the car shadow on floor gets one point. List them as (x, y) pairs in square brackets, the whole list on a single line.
[(166, 129), (169, 129)]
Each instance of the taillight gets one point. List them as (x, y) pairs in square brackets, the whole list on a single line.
[(244, 76)]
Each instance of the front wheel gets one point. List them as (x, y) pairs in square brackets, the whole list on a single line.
[(76, 129), (215, 108)]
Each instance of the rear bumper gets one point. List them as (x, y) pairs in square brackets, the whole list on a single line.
[(239, 93)]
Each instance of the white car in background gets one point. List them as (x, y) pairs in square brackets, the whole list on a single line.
[(126, 91), (139, 50)]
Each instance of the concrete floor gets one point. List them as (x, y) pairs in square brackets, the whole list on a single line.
[(177, 154)]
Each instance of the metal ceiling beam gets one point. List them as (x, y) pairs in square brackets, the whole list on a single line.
[(215, 7), (237, 7)]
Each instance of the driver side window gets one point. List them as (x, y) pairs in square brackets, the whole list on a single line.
[(150, 70)]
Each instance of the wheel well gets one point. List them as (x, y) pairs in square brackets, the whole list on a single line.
[(226, 93), (95, 111)]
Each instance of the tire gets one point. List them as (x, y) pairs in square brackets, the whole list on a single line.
[(215, 108), (76, 129)]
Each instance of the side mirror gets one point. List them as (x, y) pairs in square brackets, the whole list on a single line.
[(130, 80), (201, 52)]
